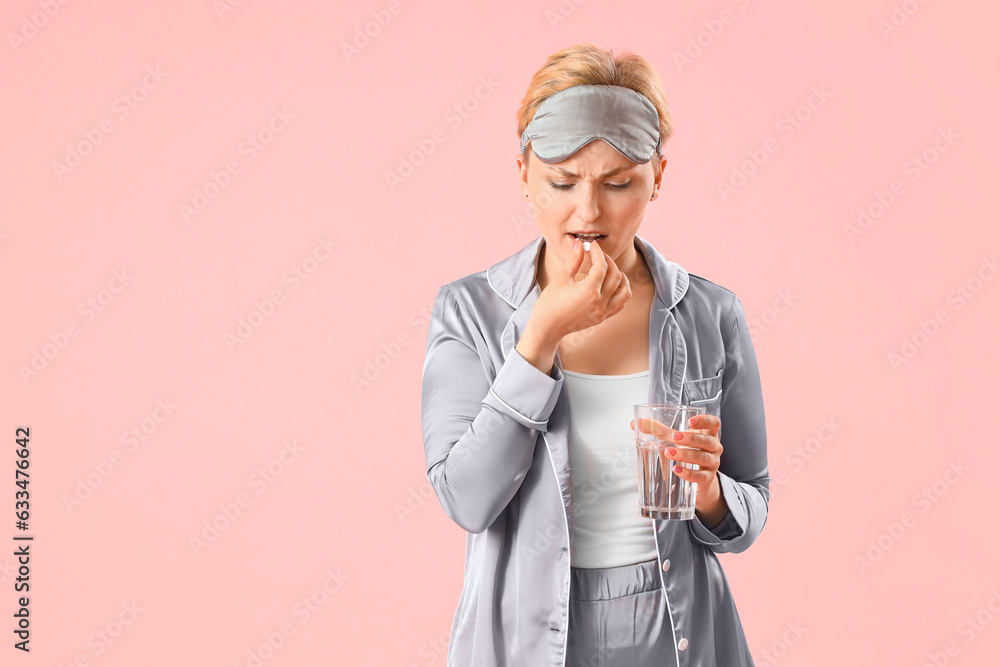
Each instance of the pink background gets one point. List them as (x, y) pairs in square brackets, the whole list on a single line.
[(866, 569)]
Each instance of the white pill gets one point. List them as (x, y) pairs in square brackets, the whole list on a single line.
[(586, 246)]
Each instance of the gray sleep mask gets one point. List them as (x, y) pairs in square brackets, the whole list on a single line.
[(572, 118)]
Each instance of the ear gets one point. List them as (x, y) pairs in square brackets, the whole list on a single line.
[(663, 168), (522, 170)]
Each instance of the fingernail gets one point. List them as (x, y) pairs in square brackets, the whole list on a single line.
[(677, 435), (576, 242)]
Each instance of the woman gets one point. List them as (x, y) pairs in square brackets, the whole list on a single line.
[(532, 367)]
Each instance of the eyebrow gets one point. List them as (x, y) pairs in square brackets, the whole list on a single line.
[(609, 172)]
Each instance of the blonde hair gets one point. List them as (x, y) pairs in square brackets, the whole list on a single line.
[(585, 63)]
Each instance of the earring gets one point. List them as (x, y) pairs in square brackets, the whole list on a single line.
[(525, 195)]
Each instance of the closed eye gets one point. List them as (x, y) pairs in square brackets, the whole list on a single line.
[(613, 186)]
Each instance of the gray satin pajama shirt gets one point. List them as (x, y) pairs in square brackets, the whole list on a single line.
[(497, 453)]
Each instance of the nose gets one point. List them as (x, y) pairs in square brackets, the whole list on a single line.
[(587, 202)]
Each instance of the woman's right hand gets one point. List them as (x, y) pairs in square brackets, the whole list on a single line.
[(567, 305)]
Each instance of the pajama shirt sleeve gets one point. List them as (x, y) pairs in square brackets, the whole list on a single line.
[(479, 435), (743, 470)]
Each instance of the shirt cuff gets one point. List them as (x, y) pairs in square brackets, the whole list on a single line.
[(732, 524), (524, 392)]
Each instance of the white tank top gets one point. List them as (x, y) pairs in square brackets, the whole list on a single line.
[(609, 530)]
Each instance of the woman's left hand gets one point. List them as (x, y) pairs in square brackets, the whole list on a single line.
[(703, 436)]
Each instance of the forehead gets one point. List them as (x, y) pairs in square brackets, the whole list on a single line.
[(610, 171), (596, 158)]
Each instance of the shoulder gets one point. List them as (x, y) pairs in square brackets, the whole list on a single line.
[(705, 291), (706, 301), (470, 289), (474, 295)]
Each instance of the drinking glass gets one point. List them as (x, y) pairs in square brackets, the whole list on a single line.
[(662, 493)]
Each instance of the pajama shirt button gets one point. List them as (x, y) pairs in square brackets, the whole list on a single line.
[(666, 564), (682, 644)]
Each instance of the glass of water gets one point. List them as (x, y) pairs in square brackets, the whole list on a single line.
[(662, 494)]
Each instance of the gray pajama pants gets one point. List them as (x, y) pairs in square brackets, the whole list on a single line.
[(618, 616)]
